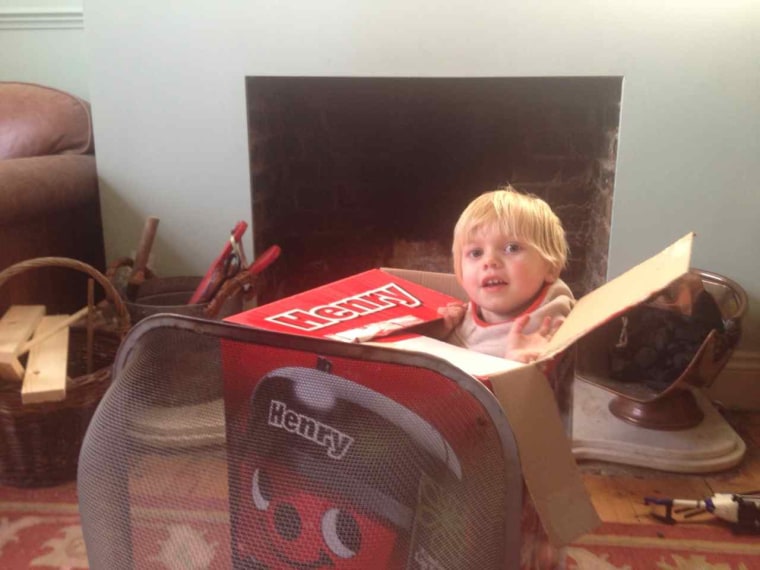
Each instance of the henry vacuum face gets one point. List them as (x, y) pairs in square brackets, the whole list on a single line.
[(341, 463)]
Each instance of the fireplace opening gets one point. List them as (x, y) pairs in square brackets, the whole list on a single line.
[(352, 173)]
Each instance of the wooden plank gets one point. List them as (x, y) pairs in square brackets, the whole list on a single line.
[(16, 326), (50, 331), (45, 377)]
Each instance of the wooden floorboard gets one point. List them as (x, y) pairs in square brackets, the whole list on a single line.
[(617, 491)]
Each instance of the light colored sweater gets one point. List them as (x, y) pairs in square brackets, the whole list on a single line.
[(474, 333)]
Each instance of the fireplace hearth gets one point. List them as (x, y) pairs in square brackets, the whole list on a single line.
[(353, 173)]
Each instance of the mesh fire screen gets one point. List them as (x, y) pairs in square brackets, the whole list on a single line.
[(219, 446)]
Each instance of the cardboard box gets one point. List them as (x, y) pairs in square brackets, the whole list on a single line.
[(385, 305)]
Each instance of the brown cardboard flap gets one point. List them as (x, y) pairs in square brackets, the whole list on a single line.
[(442, 282), (474, 363), (548, 466), (623, 292)]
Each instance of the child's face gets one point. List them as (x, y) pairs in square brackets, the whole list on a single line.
[(502, 275)]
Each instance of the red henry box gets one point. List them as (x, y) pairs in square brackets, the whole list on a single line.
[(388, 306), (359, 308)]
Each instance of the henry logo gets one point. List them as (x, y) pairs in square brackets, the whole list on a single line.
[(321, 316), (335, 441)]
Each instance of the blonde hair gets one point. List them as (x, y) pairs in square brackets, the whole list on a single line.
[(523, 216)]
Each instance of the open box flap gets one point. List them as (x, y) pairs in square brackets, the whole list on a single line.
[(444, 283), (474, 363), (629, 289), (551, 474)]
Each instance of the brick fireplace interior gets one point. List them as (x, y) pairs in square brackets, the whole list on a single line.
[(353, 173)]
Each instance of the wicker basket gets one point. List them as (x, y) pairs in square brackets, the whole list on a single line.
[(39, 443)]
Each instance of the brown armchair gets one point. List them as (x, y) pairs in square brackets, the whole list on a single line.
[(49, 200)]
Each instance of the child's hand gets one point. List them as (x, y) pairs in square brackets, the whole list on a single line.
[(528, 347), (452, 314)]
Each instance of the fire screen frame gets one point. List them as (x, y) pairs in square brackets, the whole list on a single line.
[(108, 448)]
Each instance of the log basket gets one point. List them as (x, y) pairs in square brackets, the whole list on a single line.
[(40, 443)]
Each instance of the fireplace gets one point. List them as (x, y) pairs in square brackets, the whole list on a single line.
[(352, 173)]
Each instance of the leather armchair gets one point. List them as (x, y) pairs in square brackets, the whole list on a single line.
[(49, 199)]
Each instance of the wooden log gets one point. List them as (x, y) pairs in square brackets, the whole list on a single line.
[(16, 326), (60, 324), (137, 276), (45, 376)]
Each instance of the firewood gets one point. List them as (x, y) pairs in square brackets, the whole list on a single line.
[(45, 376), (10, 367), (16, 326)]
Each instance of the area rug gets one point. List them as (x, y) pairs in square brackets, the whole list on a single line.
[(39, 528), (684, 546)]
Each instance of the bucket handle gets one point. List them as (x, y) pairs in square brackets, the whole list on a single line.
[(68, 263)]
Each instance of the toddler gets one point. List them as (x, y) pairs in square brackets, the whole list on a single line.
[(508, 249)]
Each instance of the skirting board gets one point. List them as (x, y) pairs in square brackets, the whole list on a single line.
[(737, 387), (598, 435)]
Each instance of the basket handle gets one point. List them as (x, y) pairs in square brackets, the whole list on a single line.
[(68, 263)]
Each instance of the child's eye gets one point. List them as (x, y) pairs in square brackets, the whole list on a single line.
[(512, 247), (474, 253)]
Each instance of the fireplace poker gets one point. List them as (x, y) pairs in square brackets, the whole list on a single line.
[(243, 280), (225, 266), (741, 510)]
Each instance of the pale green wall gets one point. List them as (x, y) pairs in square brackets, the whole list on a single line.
[(42, 41), (167, 88)]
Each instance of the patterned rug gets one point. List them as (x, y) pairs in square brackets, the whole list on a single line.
[(664, 547), (39, 528)]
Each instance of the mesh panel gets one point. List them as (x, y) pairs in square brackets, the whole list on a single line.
[(223, 447)]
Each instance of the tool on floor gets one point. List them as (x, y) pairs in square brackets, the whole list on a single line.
[(742, 510)]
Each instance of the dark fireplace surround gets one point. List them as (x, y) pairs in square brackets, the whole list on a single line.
[(353, 173)]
